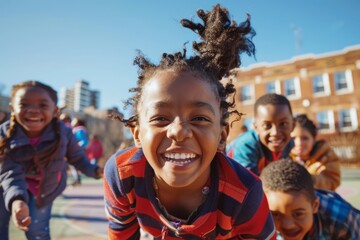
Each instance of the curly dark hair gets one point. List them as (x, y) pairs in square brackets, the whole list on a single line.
[(273, 99), (288, 176), (304, 122), (215, 56), (13, 125)]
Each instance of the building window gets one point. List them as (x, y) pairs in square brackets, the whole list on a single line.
[(273, 87), (247, 94), (343, 82), (320, 85), (347, 120), (292, 88), (325, 121)]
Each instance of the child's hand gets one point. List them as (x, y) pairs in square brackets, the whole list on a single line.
[(99, 172), (20, 214), (316, 168)]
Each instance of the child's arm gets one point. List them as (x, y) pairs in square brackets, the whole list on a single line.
[(123, 222), (20, 214), (325, 169), (246, 151), (77, 157), (12, 180)]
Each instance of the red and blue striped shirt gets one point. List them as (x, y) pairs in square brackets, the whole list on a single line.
[(235, 207)]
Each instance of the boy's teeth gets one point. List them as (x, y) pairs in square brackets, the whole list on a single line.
[(179, 156)]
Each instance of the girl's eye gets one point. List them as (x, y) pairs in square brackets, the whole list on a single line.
[(200, 118), (159, 119)]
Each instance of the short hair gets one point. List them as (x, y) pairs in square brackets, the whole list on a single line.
[(288, 176), (304, 122), (273, 99)]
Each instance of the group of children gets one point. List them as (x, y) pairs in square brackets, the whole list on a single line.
[(176, 182)]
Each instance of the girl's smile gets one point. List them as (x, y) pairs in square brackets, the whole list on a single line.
[(33, 109), (180, 127)]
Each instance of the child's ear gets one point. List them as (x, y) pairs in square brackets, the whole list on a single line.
[(11, 107), (223, 136), (255, 125), (56, 112), (316, 205), (135, 132)]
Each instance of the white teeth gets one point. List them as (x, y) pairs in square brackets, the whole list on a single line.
[(180, 156)]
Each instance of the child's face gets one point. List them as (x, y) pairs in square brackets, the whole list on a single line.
[(179, 127), (33, 109), (303, 140), (274, 124), (292, 213)]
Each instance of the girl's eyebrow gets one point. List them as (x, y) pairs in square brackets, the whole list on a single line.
[(197, 104), (202, 104)]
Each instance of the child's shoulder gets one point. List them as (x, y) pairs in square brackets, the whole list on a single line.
[(333, 205), (128, 156), (233, 173), (338, 214), (247, 137)]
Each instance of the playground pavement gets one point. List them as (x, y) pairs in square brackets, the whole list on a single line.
[(78, 214)]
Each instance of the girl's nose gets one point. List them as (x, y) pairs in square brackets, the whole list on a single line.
[(179, 131), (33, 108)]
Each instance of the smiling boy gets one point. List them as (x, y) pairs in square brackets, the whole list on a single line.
[(270, 139), (300, 211)]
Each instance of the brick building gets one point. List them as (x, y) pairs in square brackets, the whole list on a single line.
[(326, 87)]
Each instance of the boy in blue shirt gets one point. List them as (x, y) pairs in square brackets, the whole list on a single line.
[(300, 211), (270, 139)]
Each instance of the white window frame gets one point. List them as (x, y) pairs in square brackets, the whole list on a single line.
[(331, 122), (277, 86), (251, 93), (349, 82), (297, 94), (353, 119), (326, 83)]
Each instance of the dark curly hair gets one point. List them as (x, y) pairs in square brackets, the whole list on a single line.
[(287, 176), (219, 51), (5, 140), (304, 122), (273, 99)]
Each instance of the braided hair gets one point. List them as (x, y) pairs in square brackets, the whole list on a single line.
[(215, 56), (5, 140)]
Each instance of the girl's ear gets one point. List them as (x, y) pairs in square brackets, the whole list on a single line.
[(135, 132), (56, 112), (11, 107), (223, 136)]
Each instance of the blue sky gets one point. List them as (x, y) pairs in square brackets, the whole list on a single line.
[(61, 41)]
